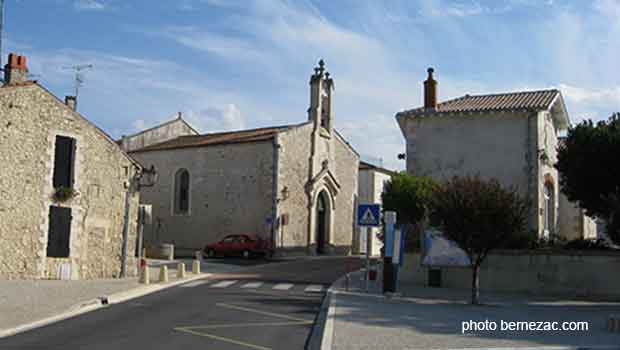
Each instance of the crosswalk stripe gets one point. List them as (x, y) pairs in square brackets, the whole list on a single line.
[(283, 286), (314, 288), (223, 284), (193, 284), (252, 285)]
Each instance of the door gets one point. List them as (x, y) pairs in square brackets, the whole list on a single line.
[(321, 225)]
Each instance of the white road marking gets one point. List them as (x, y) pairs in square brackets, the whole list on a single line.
[(283, 286), (193, 284), (252, 285), (223, 284), (314, 288)]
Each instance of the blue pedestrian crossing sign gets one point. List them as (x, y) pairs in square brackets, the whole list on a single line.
[(369, 215)]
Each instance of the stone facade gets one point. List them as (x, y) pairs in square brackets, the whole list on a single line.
[(266, 181), (30, 119), (164, 132), (230, 193)]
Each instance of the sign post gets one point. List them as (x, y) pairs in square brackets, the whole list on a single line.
[(389, 270), (368, 215)]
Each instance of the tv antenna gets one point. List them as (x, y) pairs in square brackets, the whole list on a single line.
[(79, 76)]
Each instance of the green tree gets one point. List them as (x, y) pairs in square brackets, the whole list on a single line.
[(410, 197), (590, 171), (479, 216)]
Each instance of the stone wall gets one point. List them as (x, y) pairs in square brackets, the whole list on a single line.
[(230, 193), (565, 274), (30, 119), (347, 167), (294, 170)]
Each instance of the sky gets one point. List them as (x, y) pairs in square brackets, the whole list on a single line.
[(229, 65)]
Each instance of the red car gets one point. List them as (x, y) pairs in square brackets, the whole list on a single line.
[(245, 246)]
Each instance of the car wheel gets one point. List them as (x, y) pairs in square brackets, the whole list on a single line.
[(210, 253), (246, 254)]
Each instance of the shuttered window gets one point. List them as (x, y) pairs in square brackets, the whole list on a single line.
[(59, 232), (64, 162), (181, 192)]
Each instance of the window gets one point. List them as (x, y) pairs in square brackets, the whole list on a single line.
[(181, 193), (59, 232), (64, 162)]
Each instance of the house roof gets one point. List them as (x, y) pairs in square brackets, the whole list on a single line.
[(241, 136), (178, 117), (367, 166), (512, 101)]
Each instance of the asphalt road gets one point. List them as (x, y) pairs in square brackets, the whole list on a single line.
[(262, 307)]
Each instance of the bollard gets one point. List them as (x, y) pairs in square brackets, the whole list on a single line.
[(163, 274), (196, 267), (181, 270), (144, 274), (613, 324)]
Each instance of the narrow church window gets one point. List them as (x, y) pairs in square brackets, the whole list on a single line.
[(181, 193), (64, 162), (59, 232)]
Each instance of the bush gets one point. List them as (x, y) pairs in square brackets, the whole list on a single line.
[(587, 244)]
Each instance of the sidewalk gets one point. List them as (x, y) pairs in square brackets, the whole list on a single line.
[(24, 303), (431, 318)]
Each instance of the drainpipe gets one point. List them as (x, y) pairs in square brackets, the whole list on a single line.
[(275, 225)]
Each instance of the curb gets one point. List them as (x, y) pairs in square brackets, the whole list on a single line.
[(94, 304)]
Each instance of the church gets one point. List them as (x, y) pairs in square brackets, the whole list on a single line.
[(295, 185)]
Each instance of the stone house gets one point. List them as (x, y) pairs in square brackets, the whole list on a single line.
[(64, 196), (512, 137), (293, 184), (372, 180)]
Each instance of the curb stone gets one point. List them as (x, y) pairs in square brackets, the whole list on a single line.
[(95, 304)]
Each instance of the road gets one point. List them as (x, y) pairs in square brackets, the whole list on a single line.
[(270, 306)]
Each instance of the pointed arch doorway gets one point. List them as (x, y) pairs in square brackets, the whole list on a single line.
[(322, 223)]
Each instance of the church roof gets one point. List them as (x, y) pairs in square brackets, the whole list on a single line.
[(241, 136), (512, 101)]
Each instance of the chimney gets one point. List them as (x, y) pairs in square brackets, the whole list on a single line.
[(71, 101), (15, 71), (430, 91)]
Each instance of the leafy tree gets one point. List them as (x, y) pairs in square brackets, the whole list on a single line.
[(410, 197), (590, 171), (479, 216)]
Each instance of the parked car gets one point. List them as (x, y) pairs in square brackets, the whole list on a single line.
[(246, 246)]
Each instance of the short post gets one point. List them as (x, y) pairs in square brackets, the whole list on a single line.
[(196, 267), (163, 274), (368, 251), (181, 270), (144, 274), (613, 324)]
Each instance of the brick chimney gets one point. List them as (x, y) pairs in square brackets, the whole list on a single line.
[(16, 70), (430, 91), (71, 101)]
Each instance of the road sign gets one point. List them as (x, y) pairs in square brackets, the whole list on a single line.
[(369, 215)]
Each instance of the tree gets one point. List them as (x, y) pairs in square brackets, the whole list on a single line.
[(590, 171), (410, 197), (479, 216)]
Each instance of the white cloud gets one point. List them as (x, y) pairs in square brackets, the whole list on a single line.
[(591, 103), (89, 5)]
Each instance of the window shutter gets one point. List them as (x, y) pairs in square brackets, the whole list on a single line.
[(59, 232)]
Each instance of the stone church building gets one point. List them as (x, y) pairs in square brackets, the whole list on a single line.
[(512, 137), (293, 184), (66, 194)]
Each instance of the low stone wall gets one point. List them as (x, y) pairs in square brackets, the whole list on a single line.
[(592, 275)]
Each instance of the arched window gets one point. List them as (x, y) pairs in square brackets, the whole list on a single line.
[(549, 208), (181, 192)]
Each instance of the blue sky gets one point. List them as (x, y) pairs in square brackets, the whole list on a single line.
[(241, 64)]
